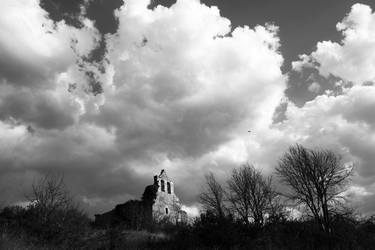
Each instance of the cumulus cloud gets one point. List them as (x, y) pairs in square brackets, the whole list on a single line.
[(35, 53), (186, 88), (179, 89), (34, 45), (353, 58), (190, 86), (343, 120), (36, 107)]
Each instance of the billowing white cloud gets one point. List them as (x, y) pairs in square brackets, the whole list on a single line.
[(343, 124), (32, 44), (186, 86), (343, 121), (178, 89), (353, 58), (40, 127), (35, 54)]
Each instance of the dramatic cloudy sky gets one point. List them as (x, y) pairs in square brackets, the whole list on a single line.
[(111, 92)]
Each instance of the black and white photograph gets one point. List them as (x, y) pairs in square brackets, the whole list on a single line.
[(187, 124)]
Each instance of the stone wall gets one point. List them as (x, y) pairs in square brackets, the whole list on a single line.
[(158, 203), (167, 205)]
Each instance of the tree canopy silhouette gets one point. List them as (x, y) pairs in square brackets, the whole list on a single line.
[(317, 179), (251, 194), (212, 198)]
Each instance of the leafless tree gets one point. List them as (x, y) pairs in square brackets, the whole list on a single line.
[(212, 198), (50, 193), (251, 194), (52, 213), (50, 196), (317, 179)]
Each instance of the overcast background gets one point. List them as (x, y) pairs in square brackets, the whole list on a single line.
[(109, 93)]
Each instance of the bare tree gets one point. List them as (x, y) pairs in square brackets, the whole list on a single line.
[(50, 194), (212, 198), (251, 194), (317, 179), (52, 213)]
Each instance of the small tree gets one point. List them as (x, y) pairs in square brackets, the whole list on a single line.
[(49, 194), (212, 198), (52, 215), (251, 194), (317, 179)]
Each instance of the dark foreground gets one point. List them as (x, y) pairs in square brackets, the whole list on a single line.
[(23, 229)]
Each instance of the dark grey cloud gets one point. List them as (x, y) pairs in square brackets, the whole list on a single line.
[(38, 109), (10, 68)]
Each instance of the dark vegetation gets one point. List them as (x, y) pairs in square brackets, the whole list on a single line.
[(52, 218), (244, 212)]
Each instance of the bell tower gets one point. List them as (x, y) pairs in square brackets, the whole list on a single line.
[(164, 183), (167, 205)]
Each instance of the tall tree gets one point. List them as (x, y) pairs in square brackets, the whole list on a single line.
[(251, 194), (317, 179), (212, 198)]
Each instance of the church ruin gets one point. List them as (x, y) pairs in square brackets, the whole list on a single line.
[(159, 203), (166, 205)]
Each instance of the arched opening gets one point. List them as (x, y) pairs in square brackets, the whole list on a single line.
[(166, 210), (162, 186), (168, 187)]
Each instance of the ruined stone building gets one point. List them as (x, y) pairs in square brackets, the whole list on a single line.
[(159, 203), (166, 205)]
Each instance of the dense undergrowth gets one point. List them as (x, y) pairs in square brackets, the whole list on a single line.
[(22, 228)]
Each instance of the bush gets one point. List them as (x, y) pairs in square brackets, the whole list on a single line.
[(52, 218)]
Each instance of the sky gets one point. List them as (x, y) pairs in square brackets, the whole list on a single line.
[(108, 93)]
